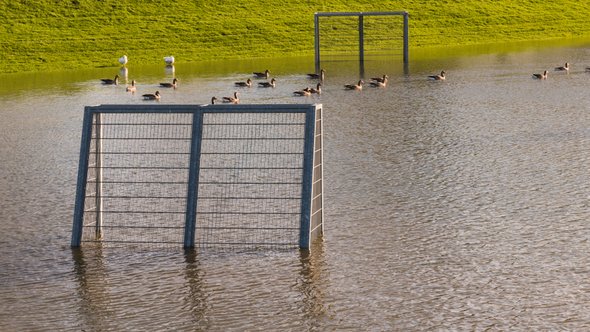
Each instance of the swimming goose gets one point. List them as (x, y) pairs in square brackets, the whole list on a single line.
[(108, 81), (565, 68), (439, 77), (380, 79), (380, 84), (317, 90), (213, 100), (169, 60), (266, 74), (304, 93), (131, 88), (358, 86), (248, 83), (123, 60), (170, 85), (540, 76), (150, 96), (321, 75), (232, 100), (270, 84)]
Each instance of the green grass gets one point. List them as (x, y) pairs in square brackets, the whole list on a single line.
[(67, 34)]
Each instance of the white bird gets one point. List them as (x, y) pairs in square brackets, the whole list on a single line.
[(169, 60), (123, 60)]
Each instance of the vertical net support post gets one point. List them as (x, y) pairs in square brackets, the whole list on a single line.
[(193, 181), (316, 24), (312, 190), (82, 174), (406, 38)]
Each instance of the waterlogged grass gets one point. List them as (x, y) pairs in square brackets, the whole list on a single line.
[(56, 34)]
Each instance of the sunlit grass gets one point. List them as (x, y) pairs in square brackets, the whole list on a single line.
[(56, 34)]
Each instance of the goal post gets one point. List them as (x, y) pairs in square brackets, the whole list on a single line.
[(361, 29)]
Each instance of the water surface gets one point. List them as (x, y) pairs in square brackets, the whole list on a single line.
[(455, 205)]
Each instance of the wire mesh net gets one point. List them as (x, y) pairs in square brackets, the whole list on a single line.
[(383, 35), (250, 179)]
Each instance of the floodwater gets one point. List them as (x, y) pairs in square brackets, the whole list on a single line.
[(454, 205)]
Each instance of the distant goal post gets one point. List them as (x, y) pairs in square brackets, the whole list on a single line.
[(363, 30)]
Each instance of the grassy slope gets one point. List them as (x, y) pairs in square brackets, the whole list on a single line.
[(50, 34)]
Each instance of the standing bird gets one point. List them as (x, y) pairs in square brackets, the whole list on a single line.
[(123, 60), (321, 75), (108, 81), (150, 96), (270, 84), (358, 86), (266, 74), (317, 90), (248, 83), (131, 88), (170, 85), (540, 76), (169, 60), (565, 68), (439, 77), (232, 100)]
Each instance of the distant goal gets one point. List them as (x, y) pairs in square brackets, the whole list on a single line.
[(352, 35)]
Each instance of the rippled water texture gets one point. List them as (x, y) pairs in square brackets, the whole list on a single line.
[(455, 205)]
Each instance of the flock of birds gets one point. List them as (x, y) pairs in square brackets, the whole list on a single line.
[(376, 82)]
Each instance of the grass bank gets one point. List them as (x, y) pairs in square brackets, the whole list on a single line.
[(67, 34)]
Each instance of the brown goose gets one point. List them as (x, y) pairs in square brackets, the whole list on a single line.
[(174, 84), (213, 100), (108, 81), (358, 86), (232, 100), (266, 74), (150, 96), (321, 75), (564, 68), (540, 76), (131, 88), (270, 84), (439, 77), (304, 93), (380, 84), (248, 83), (380, 79), (317, 90)]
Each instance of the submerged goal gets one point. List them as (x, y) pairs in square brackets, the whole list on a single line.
[(207, 176)]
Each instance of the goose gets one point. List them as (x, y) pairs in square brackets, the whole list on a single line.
[(150, 96), (270, 84), (358, 86), (380, 79), (170, 85), (317, 90), (232, 100), (321, 75), (108, 81), (565, 68), (380, 84), (439, 77), (266, 74), (169, 60), (304, 93), (123, 60), (248, 83), (540, 76), (213, 100), (131, 88)]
